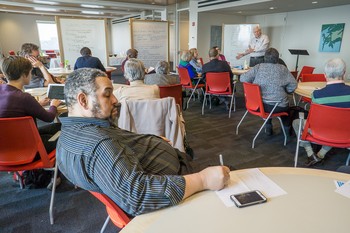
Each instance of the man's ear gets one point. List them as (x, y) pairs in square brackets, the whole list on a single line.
[(83, 100)]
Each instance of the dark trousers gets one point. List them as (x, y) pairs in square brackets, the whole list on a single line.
[(255, 60), (285, 119), (46, 132)]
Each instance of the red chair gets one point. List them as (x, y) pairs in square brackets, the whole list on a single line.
[(201, 61), (116, 214), (254, 105), (172, 91), (311, 78), (219, 84), (325, 125), (20, 143), (305, 70), (12, 53), (186, 82)]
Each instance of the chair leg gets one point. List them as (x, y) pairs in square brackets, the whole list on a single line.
[(53, 194), (105, 224), (246, 112), (257, 134), (284, 132), (234, 108), (204, 100), (20, 180), (348, 159), (298, 143)]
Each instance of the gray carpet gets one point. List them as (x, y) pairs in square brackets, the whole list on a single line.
[(209, 135)]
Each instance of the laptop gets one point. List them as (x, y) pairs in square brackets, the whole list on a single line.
[(56, 91)]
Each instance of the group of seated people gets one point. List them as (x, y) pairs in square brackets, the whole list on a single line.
[(140, 172)]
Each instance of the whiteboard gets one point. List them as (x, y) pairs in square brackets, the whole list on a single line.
[(151, 40), (236, 39), (75, 34)]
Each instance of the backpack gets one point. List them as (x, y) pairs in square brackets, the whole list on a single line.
[(37, 178)]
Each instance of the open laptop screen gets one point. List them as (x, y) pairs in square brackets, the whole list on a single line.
[(56, 91)]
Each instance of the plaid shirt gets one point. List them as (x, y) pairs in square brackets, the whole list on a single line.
[(138, 172)]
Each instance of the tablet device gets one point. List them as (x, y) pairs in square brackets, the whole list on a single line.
[(55, 91), (248, 198)]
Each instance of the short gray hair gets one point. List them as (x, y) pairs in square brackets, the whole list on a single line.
[(28, 48), (186, 55), (271, 56), (81, 80), (335, 68), (134, 70), (162, 67)]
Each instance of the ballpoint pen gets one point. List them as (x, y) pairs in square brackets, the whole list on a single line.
[(221, 160)]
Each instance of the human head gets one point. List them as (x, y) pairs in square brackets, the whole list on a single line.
[(134, 70), (132, 53), (213, 53), (162, 67), (14, 67), (271, 56), (29, 49), (186, 55), (194, 53), (335, 69), (257, 31), (89, 93), (217, 48), (85, 51)]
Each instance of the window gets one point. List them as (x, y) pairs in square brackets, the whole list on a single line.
[(48, 35)]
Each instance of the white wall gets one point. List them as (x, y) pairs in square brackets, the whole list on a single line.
[(301, 30), (205, 21), (17, 29)]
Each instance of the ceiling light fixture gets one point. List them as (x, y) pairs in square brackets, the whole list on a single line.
[(315, 2), (91, 6), (45, 2), (91, 12), (272, 8), (44, 9)]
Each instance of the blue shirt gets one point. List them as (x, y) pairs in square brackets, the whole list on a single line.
[(334, 94), (89, 62), (138, 172)]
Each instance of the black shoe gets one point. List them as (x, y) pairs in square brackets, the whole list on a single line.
[(312, 160)]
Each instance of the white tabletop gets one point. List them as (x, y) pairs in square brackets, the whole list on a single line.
[(60, 71), (306, 88), (310, 205)]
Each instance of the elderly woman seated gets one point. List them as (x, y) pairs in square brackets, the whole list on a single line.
[(162, 76), (134, 72)]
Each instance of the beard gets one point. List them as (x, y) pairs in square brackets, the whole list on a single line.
[(96, 112)]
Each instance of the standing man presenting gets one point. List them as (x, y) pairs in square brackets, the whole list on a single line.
[(257, 47)]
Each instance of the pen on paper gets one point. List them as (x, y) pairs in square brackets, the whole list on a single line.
[(221, 160)]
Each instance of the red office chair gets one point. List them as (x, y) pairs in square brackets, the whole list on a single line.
[(187, 82), (326, 126), (12, 53), (116, 214), (20, 143), (254, 105), (311, 78), (172, 91), (219, 84), (201, 61), (305, 70)]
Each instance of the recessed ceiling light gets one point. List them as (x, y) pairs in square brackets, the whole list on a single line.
[(44, 9), (272, 8), (91, 6), (92, 12), (239, 12), (315, 2), (45, 2)]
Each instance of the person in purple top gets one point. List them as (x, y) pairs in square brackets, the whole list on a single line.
[(16, 103)]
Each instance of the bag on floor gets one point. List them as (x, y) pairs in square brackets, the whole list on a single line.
[(38, 178)]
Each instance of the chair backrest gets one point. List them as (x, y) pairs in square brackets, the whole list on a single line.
[(253, 99), (185, 78), (313, 78), (12, 53), (218, 82), (172, 91), (201, 61), (20, 142), (117, 215), (305, 70), (329, 124)]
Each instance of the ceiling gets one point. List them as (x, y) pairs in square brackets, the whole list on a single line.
[(128, 8)]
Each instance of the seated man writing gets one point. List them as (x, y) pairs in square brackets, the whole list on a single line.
[(140, 173)]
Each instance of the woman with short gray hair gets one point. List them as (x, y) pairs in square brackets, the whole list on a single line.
[(162, 76)]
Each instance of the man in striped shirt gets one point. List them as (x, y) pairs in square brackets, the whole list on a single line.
[(336, 94), (140, 173)]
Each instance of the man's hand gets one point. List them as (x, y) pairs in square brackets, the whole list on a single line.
[(35, 62), (239, 55), (215, 178)]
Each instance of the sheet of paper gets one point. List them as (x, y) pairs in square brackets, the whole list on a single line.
[(246, 180), (338, 183), (344, 189)]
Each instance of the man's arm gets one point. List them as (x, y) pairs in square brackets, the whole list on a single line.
[(47, 76)]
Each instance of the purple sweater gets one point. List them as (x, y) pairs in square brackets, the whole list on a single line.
[(15, 103)]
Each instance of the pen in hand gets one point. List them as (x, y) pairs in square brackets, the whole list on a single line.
[(221, 160)]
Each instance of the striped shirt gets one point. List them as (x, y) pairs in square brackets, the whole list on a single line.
[(138, 172), (335, 94)]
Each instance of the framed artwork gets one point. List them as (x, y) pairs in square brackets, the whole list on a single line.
[(331, 37)]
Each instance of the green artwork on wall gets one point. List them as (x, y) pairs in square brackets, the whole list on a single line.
[(331, 37)]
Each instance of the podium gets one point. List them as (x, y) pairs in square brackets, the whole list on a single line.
[(298, 52)]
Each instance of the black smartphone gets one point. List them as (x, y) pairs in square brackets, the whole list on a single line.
[(248, 198)]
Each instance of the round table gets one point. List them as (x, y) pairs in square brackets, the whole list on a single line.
[(306, 88), (310, 205)]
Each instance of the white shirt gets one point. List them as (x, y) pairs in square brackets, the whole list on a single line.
[(260, 45)]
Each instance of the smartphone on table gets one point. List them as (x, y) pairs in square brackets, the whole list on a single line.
[(248, 198)]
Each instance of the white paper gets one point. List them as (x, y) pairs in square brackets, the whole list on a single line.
[(344, 189), (338, 183), (247, 180)]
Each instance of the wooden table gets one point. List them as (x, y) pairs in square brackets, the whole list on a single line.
[(239, 71), (306, 88), (310, 205), (60, 71)]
